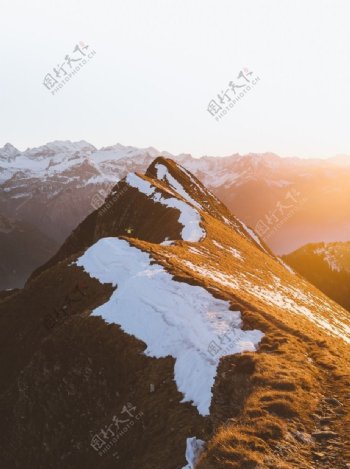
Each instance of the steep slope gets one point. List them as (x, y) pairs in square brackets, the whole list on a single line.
[(164, 331), (327, 266), (22, 249)]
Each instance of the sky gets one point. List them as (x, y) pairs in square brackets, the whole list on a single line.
[(155, 65)]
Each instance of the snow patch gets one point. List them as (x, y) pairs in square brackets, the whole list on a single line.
[(253, 235), (194, 447), (285, 297), (286, 266), (163, 174), (167, 242), (232, 251), (171, 318), (189, 217)]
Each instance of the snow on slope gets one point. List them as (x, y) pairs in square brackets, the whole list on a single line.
[(286, 266), (52, 159), (189, 217), (214, 172), (172, 318), (286, 297), (231, 250), (163, 174), (194, 447), (253, 235), (8, 152)]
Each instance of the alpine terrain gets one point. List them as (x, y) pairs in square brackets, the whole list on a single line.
[(52, 188), (327, 266), (164, 334)]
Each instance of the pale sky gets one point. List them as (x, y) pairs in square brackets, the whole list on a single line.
[(158, 63)]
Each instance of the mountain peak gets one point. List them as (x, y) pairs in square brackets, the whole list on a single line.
[(9, 151), (59, 146), (166, 192), (160, 160)]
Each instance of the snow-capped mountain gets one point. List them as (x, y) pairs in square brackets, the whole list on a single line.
[(327, 266), (288, 201), (53, 186), (8, 153), (164, 334)]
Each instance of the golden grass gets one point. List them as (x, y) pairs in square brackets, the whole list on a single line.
[(261, 400)]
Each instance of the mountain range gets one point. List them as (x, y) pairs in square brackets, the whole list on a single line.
[(288, 201), (165, 334)]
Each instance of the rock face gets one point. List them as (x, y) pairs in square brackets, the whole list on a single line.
[(289, 201), (327, 266), (163, 333)]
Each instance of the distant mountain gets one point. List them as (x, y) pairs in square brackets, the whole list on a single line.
[(164, 334), (327, 266), (55, 186), (289, 201), (8, 153)]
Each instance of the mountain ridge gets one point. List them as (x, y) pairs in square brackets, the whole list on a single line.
[(75, 357), (55, 189)]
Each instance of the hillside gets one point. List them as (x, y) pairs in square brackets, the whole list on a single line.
[(22, 248), (164, 334), (327, 266)]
